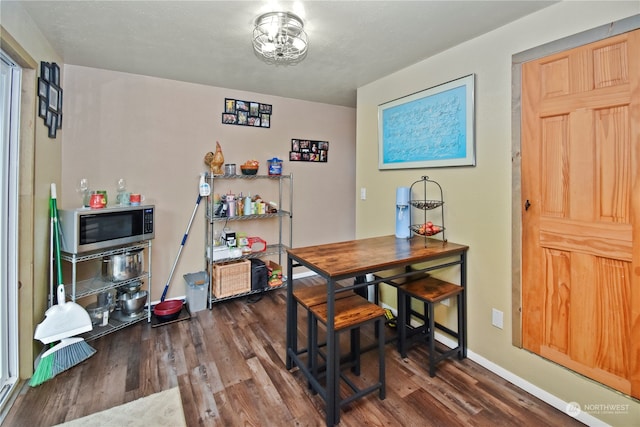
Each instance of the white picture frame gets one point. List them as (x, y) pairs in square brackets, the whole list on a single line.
[(431, 128)]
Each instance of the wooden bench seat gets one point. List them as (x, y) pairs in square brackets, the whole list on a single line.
[(430, 291), (350, 314)]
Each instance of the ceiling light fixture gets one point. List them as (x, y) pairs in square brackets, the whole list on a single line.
[(279, 38)]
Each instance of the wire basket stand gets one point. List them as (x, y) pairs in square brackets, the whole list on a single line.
[(427, 203)]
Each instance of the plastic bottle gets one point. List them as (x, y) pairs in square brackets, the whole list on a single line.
[(247, 205), (240, 205), (231, 205), (204, 188)]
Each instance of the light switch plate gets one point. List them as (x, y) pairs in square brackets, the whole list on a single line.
[(497, 318)]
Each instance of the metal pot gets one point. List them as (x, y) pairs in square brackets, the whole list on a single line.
[(116, 268)]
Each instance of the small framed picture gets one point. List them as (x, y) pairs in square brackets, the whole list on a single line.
[(49, 118), (45, 71), (42, 88), (265, 120), (265, 108), (42, 107), (53, 127), (55, 74), (59, 101), (242, 106), (59, 121), (229, 106), (54, 93), (243, 117), (229, 119), (253, 109)]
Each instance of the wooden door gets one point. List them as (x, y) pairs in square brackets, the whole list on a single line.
[(581, 230)]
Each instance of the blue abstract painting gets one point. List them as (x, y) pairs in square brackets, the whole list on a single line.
[(432, 128)]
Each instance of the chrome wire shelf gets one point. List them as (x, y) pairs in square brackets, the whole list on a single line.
[(277, 223), (252, 292), (98, 284), (115, 323)]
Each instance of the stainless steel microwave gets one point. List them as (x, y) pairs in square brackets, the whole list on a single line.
[(85, 229)]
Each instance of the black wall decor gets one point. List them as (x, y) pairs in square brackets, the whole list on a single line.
[(246, 113), (305, 150), (50, 97)]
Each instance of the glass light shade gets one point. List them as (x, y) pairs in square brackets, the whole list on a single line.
[(279, 37)]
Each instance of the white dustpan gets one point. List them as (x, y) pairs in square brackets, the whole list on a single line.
[(64, 319)]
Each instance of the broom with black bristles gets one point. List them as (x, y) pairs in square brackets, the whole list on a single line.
[(62, 321)]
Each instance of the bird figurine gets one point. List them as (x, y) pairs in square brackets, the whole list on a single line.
[(215, 160)]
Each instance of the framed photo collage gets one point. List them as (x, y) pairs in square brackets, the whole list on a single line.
[(50, 97), (246, 113), (306, 150)]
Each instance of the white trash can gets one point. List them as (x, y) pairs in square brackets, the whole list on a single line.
[(196, 290)]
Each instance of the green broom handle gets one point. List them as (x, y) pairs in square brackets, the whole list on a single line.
[(56, 226)]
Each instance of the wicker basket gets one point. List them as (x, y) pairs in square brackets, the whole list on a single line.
[(231, 278)]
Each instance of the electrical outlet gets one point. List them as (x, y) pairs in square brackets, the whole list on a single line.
[(497, 318), (363, 193)]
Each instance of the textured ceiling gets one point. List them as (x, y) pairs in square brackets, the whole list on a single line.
[(351, 43)]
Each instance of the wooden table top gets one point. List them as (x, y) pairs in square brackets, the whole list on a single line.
[(361, 256)]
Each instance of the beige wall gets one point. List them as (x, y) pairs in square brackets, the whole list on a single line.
[(478, 199), (155, 134)]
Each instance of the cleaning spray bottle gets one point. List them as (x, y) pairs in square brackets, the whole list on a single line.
[(204, 188)]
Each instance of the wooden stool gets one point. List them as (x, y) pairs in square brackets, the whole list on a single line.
[(395, 283), (430, 291), (310, 296), (383, 277), (350, 314)]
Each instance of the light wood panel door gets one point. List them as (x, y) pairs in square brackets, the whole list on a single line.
[(581, 210)]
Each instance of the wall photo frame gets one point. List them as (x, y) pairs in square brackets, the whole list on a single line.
[(306, 150), (50, 97), (431, 128), (246, 113)]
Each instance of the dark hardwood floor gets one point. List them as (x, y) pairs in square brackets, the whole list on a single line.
[(229, 365)]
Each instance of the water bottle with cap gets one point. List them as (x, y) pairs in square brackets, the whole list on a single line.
[(247, 205)]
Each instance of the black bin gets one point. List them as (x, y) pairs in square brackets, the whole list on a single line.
[(259, 274)]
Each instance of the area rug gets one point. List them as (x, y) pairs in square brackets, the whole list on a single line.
[(162, 409)]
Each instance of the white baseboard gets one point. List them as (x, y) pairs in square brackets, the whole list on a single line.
[(304, 274), (521, 383), (184, 297), (532, 389)]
